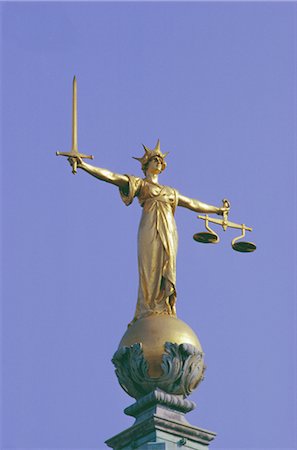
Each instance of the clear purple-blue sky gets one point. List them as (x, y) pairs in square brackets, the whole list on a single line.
[(216, 82)]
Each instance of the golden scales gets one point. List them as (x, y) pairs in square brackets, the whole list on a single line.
[(211, 237)]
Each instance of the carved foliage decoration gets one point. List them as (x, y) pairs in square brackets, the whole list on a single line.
[(131, 369), (182, 366)]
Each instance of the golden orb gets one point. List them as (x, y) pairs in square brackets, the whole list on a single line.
[(152, 332)]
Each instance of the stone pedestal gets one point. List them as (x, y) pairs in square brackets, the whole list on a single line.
[(161, 425)]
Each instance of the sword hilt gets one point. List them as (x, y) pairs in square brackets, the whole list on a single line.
[(74, 166), (74, 155)]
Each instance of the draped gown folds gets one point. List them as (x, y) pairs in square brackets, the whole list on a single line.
[(157, 246)]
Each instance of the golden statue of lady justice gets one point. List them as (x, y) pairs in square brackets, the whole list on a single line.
[(157, 234)]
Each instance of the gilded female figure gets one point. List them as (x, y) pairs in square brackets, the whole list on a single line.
[(157, 234)]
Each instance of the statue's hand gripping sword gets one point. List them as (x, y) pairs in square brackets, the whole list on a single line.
[(74, 151)]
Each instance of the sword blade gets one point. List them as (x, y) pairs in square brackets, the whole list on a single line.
[(74, 116)]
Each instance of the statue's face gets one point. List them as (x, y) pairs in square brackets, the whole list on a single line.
[(155, 165)]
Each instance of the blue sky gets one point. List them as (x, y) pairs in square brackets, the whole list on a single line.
[(216, 82)]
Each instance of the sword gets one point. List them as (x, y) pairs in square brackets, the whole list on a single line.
[(74, 151)]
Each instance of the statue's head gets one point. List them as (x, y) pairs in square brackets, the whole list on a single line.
[(153, 160)]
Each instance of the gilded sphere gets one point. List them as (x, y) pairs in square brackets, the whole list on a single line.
[(153, 332)]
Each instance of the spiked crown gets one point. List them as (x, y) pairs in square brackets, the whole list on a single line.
[(149, 154)]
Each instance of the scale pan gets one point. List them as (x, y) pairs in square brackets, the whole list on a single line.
[(244, 247), (206, 238)]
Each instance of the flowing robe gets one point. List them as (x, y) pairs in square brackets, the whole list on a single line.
[(157, 246)]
